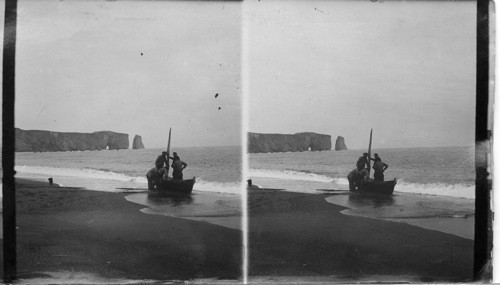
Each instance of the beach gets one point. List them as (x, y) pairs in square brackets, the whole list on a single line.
[(67, 232), (300, 237)]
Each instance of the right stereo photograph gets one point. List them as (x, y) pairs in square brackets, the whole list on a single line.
[(361, 140)]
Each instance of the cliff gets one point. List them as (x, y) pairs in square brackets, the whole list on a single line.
[(340, 144), (284, 142), (35, 141), (137, 143)]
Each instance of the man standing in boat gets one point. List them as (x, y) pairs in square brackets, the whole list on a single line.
[(362, 162), (378, 167), (178, 166), (161, 160)]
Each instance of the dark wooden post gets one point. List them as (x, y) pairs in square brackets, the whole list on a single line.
[(483, 232), (8, 142)]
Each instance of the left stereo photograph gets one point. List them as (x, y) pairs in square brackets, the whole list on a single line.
[(128, 145)]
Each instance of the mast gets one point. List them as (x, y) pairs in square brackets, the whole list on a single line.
[(370, 153), (168, 149)]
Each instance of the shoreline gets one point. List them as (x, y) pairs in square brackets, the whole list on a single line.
[(298, 236), (446, 214), (215, 208), (63, 229)]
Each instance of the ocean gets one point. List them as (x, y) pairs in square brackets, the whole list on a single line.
[(216, 194), (435, 186)]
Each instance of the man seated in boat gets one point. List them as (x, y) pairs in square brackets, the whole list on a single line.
[(355, 177), (379, 167), (363, 162), (178, 166)]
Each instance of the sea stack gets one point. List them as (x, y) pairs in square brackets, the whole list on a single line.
[(137, 143), (340, 144)]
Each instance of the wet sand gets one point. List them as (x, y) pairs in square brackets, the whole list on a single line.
[(303, 238), (216, 208), (445, 214), (90, 233)]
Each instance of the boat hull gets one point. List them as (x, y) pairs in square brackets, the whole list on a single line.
[(377, 187), (175, 186)]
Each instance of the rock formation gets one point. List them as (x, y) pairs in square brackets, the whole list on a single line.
[(340, 144), (137, 143), (284, 142), (35, 141)]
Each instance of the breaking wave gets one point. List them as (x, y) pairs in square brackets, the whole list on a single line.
[(439, 189), (220, 187), (106, 177), (290, 175), (81, 173)]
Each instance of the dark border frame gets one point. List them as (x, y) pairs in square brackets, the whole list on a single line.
[(483, 243), (8, 142), (483, 232)]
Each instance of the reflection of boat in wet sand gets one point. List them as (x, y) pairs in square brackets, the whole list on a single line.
[(174, 186), (370, 186)]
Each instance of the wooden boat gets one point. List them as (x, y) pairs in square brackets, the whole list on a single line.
[(370, 186), (174, 186)]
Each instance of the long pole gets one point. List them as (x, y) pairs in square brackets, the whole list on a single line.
[(168, 149), (8, 142), (369, 153)]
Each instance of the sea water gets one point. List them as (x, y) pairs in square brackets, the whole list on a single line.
[(435, 186), (216, 194)]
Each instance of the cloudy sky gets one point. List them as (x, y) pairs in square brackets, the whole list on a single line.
[(136, 67), (404, 68)]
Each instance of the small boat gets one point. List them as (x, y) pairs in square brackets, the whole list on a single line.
[(370, 186), (175, 186), (170, 185), (377, 187)]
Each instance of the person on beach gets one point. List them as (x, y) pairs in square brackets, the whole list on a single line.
[(355, 177), (151, 176), (159, 171), (378, 167), (362, 162), (178, 166)]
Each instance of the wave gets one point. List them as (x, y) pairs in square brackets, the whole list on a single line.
[(81, 173), (292, 175), (438, 189), (220, 187), (103, 175)]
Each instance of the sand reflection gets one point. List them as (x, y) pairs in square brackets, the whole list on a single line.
[(216, 208), (446, 214)]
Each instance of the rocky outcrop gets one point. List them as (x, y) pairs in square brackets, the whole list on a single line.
[(283, 142), (36, 141), (340, 144), (137, 143)]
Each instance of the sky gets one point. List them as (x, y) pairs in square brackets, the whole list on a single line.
[(405, 69), (135, 67)]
